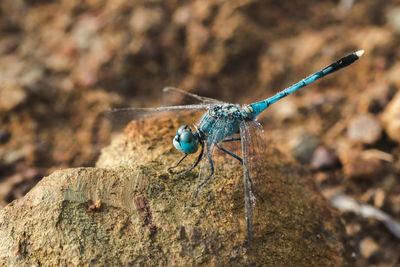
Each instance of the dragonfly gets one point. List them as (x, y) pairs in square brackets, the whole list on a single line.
[(225, 122)]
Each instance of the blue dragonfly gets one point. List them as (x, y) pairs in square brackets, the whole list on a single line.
[(222, 123)]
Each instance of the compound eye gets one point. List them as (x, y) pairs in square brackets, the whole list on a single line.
[(187, 137), (177, 145), (182, 129), (185, 141)]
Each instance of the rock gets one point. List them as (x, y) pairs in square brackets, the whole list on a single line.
[(130, 211), (303, 145), (376, 97), (379, 198), (323, 158), (146, 19), (368, 247), (286, 110), (393, 18), (182, 15), (359, 165), (4, 136), (391, 118), (364, 128), (11, 96), (393, 75)]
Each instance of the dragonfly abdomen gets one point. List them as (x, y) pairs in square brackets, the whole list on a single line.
[(335, 66)]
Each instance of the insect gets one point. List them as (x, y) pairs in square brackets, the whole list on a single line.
[(224, 122)]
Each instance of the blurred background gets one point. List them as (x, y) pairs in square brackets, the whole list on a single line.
[(62, 63)]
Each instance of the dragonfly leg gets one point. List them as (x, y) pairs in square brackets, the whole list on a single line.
[(251, 187), (195, 163), (232, 139), (230, 153), (202, 182), (179, 162)]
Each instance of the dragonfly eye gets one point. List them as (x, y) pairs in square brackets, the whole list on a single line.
[(182, 129), (185, 141)]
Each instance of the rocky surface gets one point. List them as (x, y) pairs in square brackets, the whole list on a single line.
[(130, 211), (63, 63)]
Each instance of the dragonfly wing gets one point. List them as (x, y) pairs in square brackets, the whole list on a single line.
[(253, 146), (173, 96), (218, 130), (125, 115)]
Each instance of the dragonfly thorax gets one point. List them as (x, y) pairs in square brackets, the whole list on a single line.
[(185, 140), (231, 112), (225, 111)]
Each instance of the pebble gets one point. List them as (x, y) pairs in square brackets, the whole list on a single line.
[(353, 228), (379, 198), (355, 165), (323, 158), (393, 18), (182, 15), (375, 98), (147, 19), (364, 128), (4, 136), (393, 75), (286, 110), (303, 145), (11, 96), (391, 118), (368, 247)]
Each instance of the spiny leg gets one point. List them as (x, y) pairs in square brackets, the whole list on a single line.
[(179, 162), (196, 162), (230, 153), (249, 190), (232, 139), (241, 161), (202, 182)]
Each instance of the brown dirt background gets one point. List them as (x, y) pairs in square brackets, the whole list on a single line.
[(63, 63)]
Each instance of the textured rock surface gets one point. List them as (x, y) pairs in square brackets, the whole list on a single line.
[(129, 210)]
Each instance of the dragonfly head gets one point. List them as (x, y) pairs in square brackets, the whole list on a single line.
[(185, 140)]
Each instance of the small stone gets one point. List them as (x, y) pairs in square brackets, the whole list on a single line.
[(375, 99), (96, 206), (11, 96), (368, 247), (182, 15), (353, 228), (286, 110), (4, 136), (393, 75), (364, 128), (393, 18), (323, 158), (32, 77), (321, 177), (303, 145), (355, 165), (391, 118), (147, 19), (12, 156), (394, 201), (379, 198)]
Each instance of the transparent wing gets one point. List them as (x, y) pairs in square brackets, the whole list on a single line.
[(216, 133), (253, 147), (125, 115), (174, 96)]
